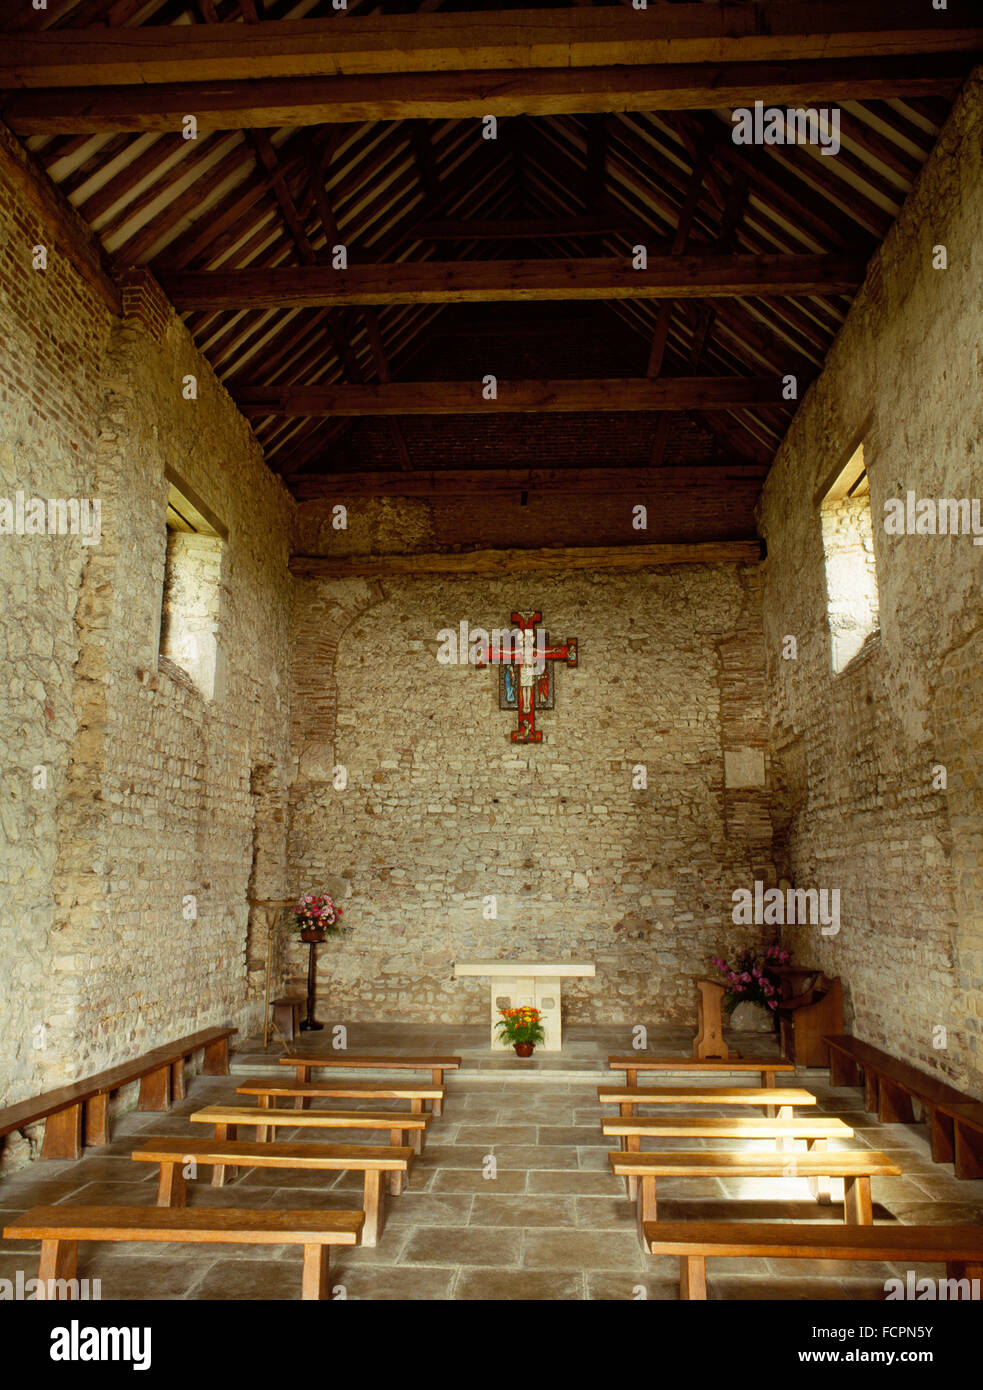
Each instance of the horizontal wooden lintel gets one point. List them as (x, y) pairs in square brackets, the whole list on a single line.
[(619, 557)]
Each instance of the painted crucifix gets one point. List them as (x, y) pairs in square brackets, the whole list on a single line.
[(526, 672)]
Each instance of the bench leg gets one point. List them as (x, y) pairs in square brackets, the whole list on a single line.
[(437, 1079), (870, 1092), (97, 1121), (216, 1059), (631, 1143), (857, 1209), (943, 1137), (396, 1178), (692, 1277), (59, 1260), (413, 1137), (220, 1169), (784, 1113), (894, 1105), (172, 1186), (968, 1151), (627, 1109), (646, 1207), (314, 1284), (155, 1090), (819, 1187), (631, 1076), (842, 1070), (178, 1088), (263, 1131), (373, 1207), (63, 1134), (303, 1077)]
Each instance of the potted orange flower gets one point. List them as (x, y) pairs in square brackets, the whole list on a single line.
[(523, 1028)]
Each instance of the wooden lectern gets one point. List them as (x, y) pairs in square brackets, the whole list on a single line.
[(709, 1042)]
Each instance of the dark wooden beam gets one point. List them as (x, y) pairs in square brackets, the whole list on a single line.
[(514, 397), (679, 481), (528, 228), (620, 557), (745, 31), (446, 282), (224, 104)]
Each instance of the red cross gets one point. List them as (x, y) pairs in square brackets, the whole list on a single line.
[(526, 694)]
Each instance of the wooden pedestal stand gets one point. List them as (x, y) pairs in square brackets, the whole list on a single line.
[(709, 1041), (308, 1024), (270, 906)]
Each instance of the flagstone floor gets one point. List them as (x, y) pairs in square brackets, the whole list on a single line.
[(553, 1223)]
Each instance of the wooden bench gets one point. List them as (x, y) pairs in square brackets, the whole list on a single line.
[(814, 1132), (59, 1229), (954, 1119), (403, 1128), (174, 1155), (856, 1168), (631, 1066), (436, 1066), (960, 1248), (804, 1017), (78, 1114), (301, 1092), (777, 1100)]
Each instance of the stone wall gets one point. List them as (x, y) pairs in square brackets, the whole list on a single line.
[(862, 806), (137, 814), (410, 798)]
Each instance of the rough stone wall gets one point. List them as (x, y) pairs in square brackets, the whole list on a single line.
[(440, 810), (861, 808), (54, 332), (125, 875)]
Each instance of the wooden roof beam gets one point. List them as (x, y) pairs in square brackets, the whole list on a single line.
[(446, 282), (225, 104), (513, 397)]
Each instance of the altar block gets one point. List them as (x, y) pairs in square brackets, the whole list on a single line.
[(538, 984)]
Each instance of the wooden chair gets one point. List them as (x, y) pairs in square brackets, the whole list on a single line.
[(286, 1016), (78, 1114), (59, 1229), (960, 1248), (812, 1007), (855, 1167), (373, 1161)]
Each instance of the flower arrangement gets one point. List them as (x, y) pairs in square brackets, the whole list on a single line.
[(317, 912), (523, 1025), (749, 978)]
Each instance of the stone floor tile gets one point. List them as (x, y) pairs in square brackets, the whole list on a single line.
[(584, 1250), (428, 1209), (124, 1275), (535, 1156), (581, 1136), (470, 1245), (524, 1212), (391, 1282), (510, 1180), (492, 1134), (628, 1288), (605, 1213), (512, 1285), (253, 1277), (583, 1182)]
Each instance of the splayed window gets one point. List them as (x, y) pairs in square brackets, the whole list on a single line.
[(851, 576), (191, 597)]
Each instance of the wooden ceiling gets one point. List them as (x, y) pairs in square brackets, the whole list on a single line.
[(470, 258)]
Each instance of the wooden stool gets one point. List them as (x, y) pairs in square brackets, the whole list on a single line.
[(286, 1016)]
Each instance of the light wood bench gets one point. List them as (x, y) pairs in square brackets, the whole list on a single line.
[(777, 1100), (631, 1066), (59, 1229), (436, 1066), (855, 1167), (174, 1155), (266, 1092), (814, 1132), (960, 1248), (954, 1119), (78, 1114), (403, 1128)]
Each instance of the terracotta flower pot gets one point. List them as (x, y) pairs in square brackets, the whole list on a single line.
[(524, 1049)]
